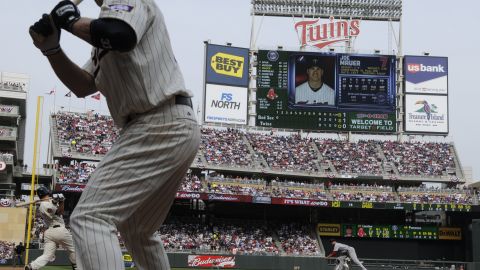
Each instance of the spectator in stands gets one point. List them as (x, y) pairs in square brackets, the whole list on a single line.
[(19, 249)]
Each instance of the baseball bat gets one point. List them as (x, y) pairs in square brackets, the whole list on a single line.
[(40, 38), (32, 202)]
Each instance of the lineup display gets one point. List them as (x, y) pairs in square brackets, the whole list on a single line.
[(389, 231), (323, 91)]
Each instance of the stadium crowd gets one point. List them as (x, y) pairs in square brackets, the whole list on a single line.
[(419, 158), (85, 133), (435, 195), (93, 134), (351, 158), (236, 185), (191, 183), (296, 239), (225, 147), (362, 192), (288, 189), (76, 172), (6, 249), (285, 153), (224, 237)]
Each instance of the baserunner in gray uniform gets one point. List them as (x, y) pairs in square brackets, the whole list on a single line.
[(133, 187), (339, 247), (51, 210)]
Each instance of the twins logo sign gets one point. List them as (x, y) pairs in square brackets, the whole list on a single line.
[(225, 104)]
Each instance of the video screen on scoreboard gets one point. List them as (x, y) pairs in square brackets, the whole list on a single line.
[(389, 231), (324, 91)]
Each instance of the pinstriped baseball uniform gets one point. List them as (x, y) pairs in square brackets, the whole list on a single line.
[(305, 94), (134, 185), (56, 234)]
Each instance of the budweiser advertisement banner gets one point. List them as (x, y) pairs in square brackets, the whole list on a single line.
[(211, 261), (230, 198), (69, 188)]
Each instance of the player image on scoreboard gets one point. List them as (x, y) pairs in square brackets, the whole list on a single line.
[(312, 81)]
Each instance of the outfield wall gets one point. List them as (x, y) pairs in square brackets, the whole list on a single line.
[(254, 262), (12, 224)]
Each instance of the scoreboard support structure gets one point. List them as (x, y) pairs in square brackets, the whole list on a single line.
[(370, 10)]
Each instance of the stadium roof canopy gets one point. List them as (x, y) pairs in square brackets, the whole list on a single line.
[(376, 10)]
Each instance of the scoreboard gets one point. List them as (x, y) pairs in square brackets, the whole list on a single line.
[(363, 87), (389, 231)]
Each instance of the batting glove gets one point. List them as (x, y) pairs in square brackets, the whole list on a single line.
[(61, 197), (45, 35), (65, 14)]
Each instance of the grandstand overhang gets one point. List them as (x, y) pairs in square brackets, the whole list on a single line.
[(374, 10)]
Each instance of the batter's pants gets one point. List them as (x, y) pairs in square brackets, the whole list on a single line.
[(53, 237), (132, 189)]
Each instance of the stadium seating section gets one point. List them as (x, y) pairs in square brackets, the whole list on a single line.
[(90, 136), (81, 140), (86, 137)]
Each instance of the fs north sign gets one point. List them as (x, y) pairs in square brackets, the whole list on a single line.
[(226, 104), (226, 65), (426, 75), (318, 34)]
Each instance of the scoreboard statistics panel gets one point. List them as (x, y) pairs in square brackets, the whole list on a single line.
[(357, 92), (389, 231)]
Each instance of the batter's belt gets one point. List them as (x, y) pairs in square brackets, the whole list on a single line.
[(181, 100)]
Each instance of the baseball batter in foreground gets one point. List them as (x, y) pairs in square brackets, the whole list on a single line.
[(51, 211), (133, 187)]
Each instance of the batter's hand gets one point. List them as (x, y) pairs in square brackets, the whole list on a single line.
[(45, 35), (65, 14)]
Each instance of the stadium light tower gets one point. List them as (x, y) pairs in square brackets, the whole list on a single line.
[(376, 10), (370, 10)]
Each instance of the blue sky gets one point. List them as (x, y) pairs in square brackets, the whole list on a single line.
[(440, 27)]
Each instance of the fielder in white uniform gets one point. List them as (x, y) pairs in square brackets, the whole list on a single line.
[(339, 247), (315, 90), (51, 210), (134, 185)]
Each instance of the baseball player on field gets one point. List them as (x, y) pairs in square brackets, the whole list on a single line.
[(339, 247), (51, 210), (133, 66)]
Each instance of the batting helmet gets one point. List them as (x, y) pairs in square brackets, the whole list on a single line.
[(43, 191)]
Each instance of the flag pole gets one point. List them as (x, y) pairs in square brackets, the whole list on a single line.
[(34, 168)]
